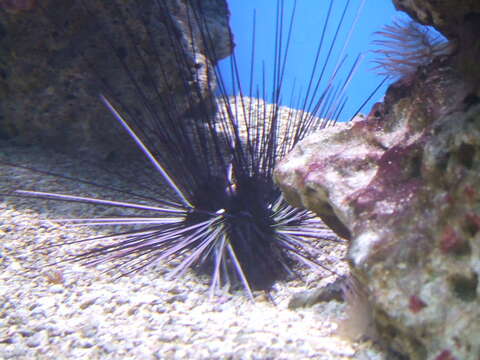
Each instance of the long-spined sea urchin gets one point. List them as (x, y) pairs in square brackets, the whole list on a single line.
[(226, 215)]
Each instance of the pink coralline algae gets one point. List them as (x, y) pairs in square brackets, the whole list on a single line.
[(416, 304), (470, 193), (445, 355), (452, 242)]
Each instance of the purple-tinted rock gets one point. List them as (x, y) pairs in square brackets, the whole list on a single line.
[(405, 183)]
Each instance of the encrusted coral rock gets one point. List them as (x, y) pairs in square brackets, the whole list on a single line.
[(447, 16), (459, 21), (56, 57), (405, 182)]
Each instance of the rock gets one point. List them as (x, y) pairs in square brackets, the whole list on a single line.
[(57, 58), (332, 291), (446, 16), (404, 183), (89, 330), (88, 300), (459, 21), (37, 339), (15, 352)]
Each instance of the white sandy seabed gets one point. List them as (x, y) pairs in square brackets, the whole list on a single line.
[(72, 311)]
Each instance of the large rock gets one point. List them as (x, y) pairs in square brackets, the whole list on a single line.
[(56, 57), (459, 21), (449, 17), (404, 183)]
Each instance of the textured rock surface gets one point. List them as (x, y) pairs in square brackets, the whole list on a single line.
[(459, 21), (447, 16), (405, 182), (49, 91)]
